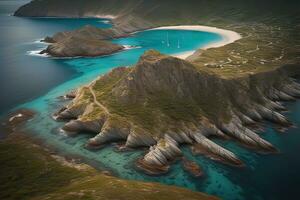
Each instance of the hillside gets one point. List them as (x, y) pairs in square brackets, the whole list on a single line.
[(30, 171), (191, 11)]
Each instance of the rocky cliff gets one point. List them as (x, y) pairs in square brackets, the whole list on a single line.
[(163, 102)]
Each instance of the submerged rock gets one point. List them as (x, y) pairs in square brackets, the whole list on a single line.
[(192, 167), (15, 119)]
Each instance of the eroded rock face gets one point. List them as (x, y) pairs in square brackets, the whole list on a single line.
[(183, 105), (157, 160)]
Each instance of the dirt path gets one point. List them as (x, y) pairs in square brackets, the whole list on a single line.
[(97, 102)]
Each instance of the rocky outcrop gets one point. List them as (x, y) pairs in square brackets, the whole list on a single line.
[(76, 126), (74, 47), (157, 160), (246, 136), (109, 133), (192, 167), (138, 138), (164, 102), (215, 151), (78, 106)]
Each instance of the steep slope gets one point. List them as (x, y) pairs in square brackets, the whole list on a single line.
[(163, 102)]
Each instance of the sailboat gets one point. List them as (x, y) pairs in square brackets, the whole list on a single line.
[(168, 42)]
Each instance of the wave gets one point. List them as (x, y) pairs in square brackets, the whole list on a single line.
[(128, 47), (105, 21), (37, 53)]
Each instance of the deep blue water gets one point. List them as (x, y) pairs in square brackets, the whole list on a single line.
[(24, 77)]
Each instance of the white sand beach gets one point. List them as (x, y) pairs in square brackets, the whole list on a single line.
[(227, 35), (102, 16)]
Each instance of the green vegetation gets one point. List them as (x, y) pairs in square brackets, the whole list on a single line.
[(262, 48), (30, 172)]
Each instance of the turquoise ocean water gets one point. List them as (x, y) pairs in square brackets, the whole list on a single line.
[(36, 82)]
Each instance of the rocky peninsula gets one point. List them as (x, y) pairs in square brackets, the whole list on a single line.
[(164, 102), (85, 42)]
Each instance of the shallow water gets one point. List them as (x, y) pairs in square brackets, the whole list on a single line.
[(44, 79)]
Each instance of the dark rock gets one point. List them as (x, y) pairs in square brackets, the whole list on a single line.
[(192, 167)]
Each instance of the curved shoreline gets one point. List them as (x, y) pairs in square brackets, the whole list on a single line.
[(227, 36)]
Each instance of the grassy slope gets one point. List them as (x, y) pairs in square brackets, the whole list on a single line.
[(156, 10), (30, 172), (27, 170), (157, 112)]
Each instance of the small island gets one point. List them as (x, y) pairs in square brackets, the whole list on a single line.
[(85, 42)]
